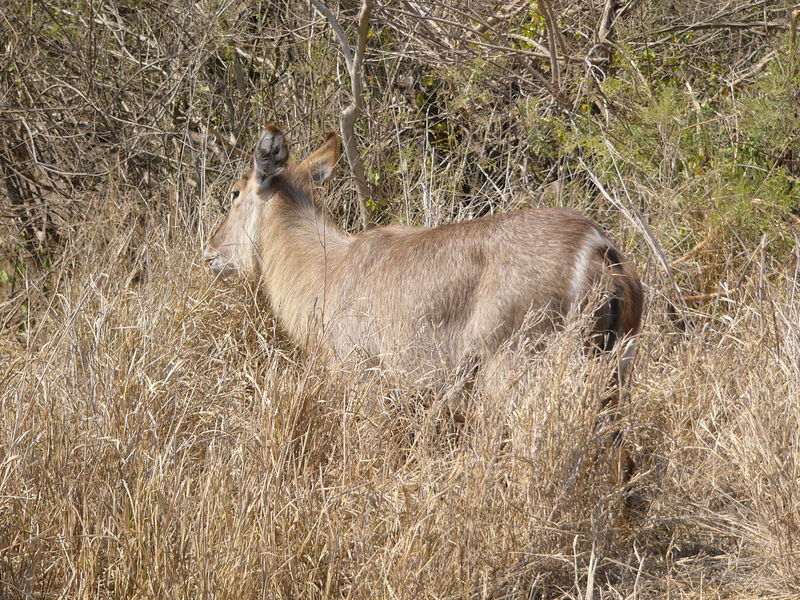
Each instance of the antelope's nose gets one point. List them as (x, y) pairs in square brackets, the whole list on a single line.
[(220, 266)]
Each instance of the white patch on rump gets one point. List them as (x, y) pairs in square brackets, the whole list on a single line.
[(583, 260)]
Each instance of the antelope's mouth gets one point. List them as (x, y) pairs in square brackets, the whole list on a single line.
[(220, 266)]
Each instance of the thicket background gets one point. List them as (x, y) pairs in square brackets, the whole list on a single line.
[(160, 439)]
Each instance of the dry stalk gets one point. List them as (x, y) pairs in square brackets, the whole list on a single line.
[(696, 298)]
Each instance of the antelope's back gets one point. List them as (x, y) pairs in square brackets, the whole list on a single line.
[(443, 295)]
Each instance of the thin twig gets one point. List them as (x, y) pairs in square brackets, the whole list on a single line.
[(709, 296)]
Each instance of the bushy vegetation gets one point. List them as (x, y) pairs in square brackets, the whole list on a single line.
[(160, 438)]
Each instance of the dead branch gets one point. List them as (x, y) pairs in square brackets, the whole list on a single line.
[(467, 45), (506, 13), (428, 21), (353, 62), (604, 33), (678, 30), (694, 250), (551, 27)]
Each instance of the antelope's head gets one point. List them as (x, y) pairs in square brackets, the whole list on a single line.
[(235, 244)]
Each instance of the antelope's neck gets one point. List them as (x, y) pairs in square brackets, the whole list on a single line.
[(299, 247)]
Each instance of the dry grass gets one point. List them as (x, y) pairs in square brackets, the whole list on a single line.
[(159, 440), (158, 437)]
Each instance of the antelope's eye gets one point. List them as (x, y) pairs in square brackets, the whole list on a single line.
[(233, 196)]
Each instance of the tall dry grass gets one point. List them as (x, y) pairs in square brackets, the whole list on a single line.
[(159, 439)]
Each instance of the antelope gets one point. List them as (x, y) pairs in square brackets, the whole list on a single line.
[(411, 297)]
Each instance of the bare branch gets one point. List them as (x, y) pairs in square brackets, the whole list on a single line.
[(347, 51), (551, 27), (429, 21), (508, 12), (350, 114)]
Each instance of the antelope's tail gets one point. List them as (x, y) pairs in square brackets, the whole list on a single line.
[(620, 317)]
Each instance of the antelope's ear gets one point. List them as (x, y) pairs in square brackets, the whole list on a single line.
[(321, 162), (271, 154)]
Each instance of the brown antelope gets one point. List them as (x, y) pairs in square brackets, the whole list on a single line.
[(410, 297)]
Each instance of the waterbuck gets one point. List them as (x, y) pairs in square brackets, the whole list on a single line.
[(410, 298)]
